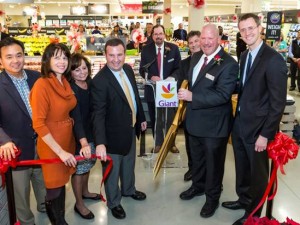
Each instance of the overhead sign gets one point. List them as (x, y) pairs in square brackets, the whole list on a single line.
[(166, 94), (153, 7), (98, 9), (274, 20)]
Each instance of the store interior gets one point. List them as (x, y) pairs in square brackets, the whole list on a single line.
[(163, 205)]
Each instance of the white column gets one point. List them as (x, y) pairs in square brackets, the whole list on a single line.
[(167, 17), (251, 6), (196, 18)]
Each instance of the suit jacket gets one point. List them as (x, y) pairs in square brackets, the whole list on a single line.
[(177, 34), (112, 120), (262, 99), (15, 121), (209, 114), (171, 60), (183, 71)]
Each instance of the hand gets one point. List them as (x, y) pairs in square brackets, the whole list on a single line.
[(67, 158), (7, 151), (184, 94), (101, 151), (144, 125), (261, 144), (85, 151), (155, 78)]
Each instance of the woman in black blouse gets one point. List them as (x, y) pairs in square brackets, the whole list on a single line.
[(80, 76)]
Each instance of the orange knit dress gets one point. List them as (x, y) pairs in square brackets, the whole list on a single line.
[(51, 104)]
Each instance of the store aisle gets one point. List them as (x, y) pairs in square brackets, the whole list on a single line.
[(163, 205)]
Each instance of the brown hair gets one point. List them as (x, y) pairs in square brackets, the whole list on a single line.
[(114, 42), (54, 49), (76, 61)]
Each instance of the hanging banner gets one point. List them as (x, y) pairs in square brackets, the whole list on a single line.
[(273, 25), (166, 94), (153, 7)]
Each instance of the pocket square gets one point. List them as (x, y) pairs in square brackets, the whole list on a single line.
[(209, 76), (170, 60)]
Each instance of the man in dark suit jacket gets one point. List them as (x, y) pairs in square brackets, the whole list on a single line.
[(170, 59), (261, 102), (16, 127), (180, 33), (212, 80), (193, 38), (114, 127)]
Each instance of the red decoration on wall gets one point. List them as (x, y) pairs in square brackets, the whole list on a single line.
[(234, 18), (197, 3), (167, 11), (2, 12)]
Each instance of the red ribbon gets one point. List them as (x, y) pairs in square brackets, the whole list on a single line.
[(5, 164), (280, 150)]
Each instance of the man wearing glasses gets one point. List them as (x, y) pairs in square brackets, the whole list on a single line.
[(262, 98)]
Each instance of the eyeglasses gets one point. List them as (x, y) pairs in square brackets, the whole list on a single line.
[(249, 29)]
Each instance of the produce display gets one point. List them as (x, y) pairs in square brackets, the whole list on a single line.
[(36, 45)]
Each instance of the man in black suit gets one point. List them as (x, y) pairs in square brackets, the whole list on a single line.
[(223, 36), (261, 102), (180, 33), (294, 55), (118, 117), (240, 45), (16, 127), (3, 35), (193, 38), (169, 65), (212, 79)]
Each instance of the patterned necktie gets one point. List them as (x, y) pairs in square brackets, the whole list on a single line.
[(129, 97), (159, 60)]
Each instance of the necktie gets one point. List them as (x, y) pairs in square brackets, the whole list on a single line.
[(204, 63), (247, 67), (128, 96), (159, 60), (202, 67), (181, 34)]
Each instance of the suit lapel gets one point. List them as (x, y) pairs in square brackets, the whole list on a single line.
[(211, 64), (255, 63), (116, 85), (12, 91)]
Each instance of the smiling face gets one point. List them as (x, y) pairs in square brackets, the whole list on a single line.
[(80, 73), (158, 36), (59, 62), (115, 57), (194, 44), (12, 59), (250, 32), (209, 39)]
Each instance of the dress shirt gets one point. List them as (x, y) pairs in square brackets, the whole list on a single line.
[(198, 66), (23, 89), (161, 75), (117, 76)]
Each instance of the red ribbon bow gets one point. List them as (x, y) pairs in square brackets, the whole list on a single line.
[(280, 150)]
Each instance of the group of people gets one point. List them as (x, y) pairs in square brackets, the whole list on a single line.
[(213, 78), (58, 110), (54, 112)]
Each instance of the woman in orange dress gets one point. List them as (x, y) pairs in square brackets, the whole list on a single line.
[(51, 100)]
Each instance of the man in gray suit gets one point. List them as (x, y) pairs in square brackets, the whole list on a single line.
[(212, 80), (118, 117), (16, 127)]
